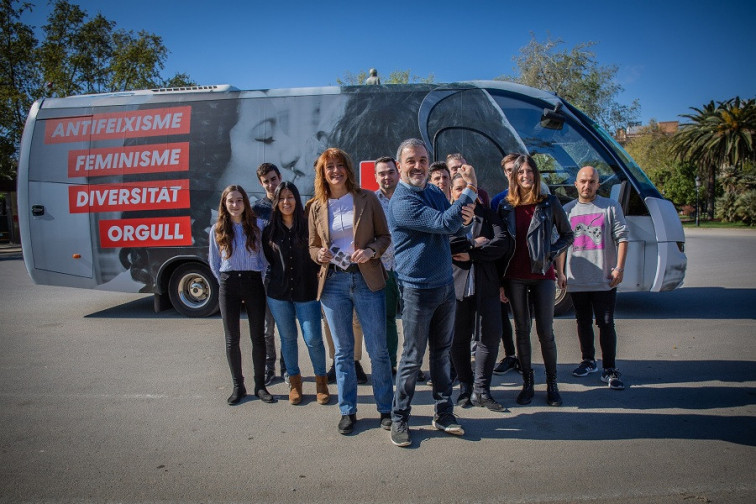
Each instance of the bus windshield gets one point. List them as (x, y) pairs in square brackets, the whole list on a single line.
[(562, 150)]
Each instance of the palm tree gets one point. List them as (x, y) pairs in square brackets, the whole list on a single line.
[(717, 136)]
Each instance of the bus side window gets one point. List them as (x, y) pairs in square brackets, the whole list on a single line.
[(635, 205), (614, 192)]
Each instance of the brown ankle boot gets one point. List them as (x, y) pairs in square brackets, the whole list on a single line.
[(321, 384), (295, 389)]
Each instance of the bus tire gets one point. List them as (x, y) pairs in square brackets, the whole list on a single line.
[(562, 302), (193, 290)]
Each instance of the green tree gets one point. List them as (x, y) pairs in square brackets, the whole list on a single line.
[(652, 149), (59, 53), (178, 80), (94, 54), (19, 81), (395, 77), (716, 137), (738, 203), (77, 55), (137, 60), (350, 79), (575, 75)]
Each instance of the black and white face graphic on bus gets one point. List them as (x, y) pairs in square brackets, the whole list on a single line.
[(289, 132)]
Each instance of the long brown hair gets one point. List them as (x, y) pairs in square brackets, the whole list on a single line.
[(224, 227), (276, 225), (517, 194), (322, 190)]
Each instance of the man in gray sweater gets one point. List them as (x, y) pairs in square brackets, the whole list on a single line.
[(595, 266)]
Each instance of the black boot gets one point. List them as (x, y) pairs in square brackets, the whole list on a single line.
[(237, 395), (552, 392), (527, 393), (465, 392)]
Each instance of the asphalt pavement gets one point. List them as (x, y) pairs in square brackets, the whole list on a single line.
[(103, 400)]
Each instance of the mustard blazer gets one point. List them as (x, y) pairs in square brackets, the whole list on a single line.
[(370, 231)]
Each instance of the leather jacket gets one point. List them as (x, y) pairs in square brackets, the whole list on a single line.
[(549, 233)]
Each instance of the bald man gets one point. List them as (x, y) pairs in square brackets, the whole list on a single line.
[(595, 266)]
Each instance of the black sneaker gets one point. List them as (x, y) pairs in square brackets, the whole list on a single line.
[(421, 376), (346, 424), (585, 368), (331, 375), (400, 434), (448, 423), (611, 376), (270, 376), (361, 376), (506, 365), (485, 400), (463, 401), (386, 421)]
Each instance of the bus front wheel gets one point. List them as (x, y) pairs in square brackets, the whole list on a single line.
[(562, 302), (193, 290)]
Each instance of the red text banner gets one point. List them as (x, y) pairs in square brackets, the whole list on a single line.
[(132, 124), (149, 232), (156, 195), (125, 160)]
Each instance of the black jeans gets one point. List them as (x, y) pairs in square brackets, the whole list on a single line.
[(487, 347), (507, 336), (601, 304), (237, 288), (540, 294)]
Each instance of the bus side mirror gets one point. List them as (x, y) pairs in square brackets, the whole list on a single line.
[(552, 119)]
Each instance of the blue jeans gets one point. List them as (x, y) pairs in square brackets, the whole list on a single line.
[(342, 293), (286, 314), (427, 319)]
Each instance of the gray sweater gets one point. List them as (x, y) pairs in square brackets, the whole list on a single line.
[(599, 226)]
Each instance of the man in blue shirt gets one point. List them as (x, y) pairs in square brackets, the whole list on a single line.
[(421, 219)]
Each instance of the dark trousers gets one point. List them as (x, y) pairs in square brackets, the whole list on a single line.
[(427, 321), (540, 295), (488, 346), (601, 305), (239, 288), (507, 336)]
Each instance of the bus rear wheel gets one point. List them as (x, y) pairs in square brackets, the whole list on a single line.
[(193, 290)]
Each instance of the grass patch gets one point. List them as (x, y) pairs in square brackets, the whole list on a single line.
[(713, 224)]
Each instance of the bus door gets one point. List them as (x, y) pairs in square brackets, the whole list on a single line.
[(468, 121), (61, 239)]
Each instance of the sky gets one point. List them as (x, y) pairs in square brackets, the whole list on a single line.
[(671, 54)]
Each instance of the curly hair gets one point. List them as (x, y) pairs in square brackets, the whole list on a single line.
[(224, 227)]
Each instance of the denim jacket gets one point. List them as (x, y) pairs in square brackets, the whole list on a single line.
[(549, 222)]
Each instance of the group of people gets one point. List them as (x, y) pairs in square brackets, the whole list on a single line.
[(453, 261)]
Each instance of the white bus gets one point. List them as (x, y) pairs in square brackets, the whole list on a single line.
[(118, 191)]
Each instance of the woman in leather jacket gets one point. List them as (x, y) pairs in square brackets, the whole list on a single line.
[(542, 232)]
